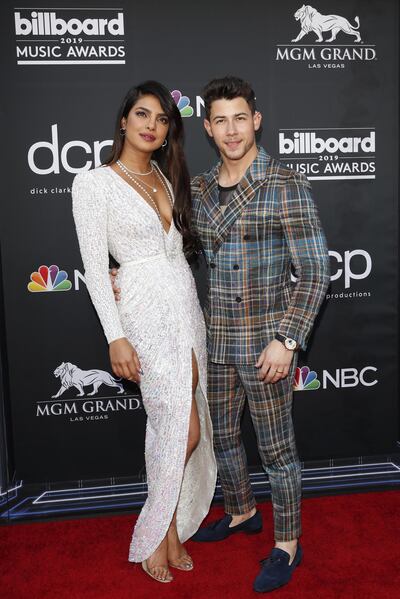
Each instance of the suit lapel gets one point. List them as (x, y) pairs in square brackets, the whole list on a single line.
[(245, 192), (221, 223)]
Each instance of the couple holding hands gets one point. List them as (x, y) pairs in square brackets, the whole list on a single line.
[(254, 219)]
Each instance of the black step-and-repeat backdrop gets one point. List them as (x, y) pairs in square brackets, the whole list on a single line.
[(328, 90)]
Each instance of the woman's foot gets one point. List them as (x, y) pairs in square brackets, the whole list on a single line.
[(178, 557), (157, 564)]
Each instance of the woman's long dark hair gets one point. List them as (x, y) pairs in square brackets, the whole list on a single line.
[(170, 159)]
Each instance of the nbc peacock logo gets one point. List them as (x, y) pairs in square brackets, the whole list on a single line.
[(49, 278), (305, 379), (183, 103)]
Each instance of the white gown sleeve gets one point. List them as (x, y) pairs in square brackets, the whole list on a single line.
[(89, 207)]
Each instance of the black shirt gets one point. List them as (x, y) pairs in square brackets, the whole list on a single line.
[(225, 194)]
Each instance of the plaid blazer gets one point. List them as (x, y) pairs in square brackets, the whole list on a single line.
[(269, 225)]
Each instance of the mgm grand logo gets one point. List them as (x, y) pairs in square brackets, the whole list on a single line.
[(84, 406), (321, 51)]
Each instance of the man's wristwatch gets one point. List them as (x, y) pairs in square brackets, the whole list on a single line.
[(287, 342)]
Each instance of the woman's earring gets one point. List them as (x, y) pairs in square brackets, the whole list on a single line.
[(165, 142), (122, 131)]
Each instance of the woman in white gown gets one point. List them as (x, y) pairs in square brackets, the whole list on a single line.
[(137, 208)]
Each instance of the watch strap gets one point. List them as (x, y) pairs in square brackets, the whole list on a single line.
[(284, 339)]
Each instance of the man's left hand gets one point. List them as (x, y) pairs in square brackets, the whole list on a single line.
[(116, 290), (274, 362)]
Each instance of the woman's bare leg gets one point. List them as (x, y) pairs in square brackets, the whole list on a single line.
[(177, 554)]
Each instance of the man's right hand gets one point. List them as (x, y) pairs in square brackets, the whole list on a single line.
[(124, 360), (116, 290)]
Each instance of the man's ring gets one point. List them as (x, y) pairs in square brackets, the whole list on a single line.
[(280, 371)]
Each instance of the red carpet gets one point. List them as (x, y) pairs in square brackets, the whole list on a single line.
[(351, 546)]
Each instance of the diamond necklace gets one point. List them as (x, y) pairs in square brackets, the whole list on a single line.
[(138, 183), (134, 173), (127, 173)]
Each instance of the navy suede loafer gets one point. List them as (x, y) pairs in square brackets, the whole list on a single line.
[(275, 571), (220, 530)]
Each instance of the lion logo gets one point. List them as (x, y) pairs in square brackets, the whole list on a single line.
[(312, 20), (72, 376)]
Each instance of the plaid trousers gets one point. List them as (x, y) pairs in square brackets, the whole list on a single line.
[(270, 408)]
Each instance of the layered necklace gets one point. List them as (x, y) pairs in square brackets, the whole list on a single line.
[(132, 175)]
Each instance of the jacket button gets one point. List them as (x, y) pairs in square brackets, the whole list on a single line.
[(236, 267), (246, 237), (238, 299), (212, 265)]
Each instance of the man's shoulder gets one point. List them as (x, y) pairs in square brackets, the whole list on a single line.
[(282, 174), (198, 180), (195, 182), (205, 177)]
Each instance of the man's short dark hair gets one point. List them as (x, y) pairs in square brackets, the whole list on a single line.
[(228, 88)]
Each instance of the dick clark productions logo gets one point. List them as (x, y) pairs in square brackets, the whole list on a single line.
[(48, 157)]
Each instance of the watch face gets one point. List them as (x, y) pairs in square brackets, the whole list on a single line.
[(290, 343)]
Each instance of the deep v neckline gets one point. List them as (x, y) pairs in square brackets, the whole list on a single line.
[(145, 201)]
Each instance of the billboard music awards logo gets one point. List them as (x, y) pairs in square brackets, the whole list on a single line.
[(69, 36), (85, 384), (319, 47), (330, 152), (341, 378)]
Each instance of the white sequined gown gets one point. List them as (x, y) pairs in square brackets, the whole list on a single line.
[(159, 313)]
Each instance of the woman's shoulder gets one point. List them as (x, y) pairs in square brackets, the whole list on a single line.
[(90, 178), (94, 174), (89, 187)]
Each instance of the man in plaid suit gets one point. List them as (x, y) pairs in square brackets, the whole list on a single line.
[(256, 219)]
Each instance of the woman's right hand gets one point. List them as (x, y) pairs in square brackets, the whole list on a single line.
[(124, 360)]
